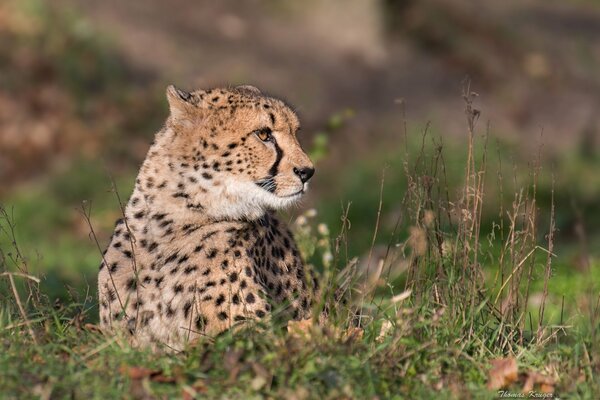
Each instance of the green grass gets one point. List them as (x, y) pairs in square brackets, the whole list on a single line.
[(423, 357)]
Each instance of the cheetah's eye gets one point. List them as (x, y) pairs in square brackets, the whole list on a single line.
[(264, 134)]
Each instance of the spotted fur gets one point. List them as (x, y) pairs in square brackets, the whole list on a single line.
[(200, 249)]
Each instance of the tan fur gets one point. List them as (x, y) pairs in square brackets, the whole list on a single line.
[(200, 248)]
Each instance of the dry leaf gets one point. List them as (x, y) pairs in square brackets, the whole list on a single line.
[(300, 329), (386, 328), (190, 393), (92, 328), (504, 371), (161, 378), (533, 379), (232, 363), (353, 333), (137, 372)]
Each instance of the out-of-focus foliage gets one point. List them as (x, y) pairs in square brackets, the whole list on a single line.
[(65, 93)]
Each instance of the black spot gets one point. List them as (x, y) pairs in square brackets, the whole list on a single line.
[(127, 253), (152, 247), (131, 284), (206, 175), (212, 253), (233, 277), (220, 300), (113, 267), (131, 325), (183, 259), (170, 311), (146, 316), (198, 249), (260, 313), (189, 269), (200, 322), (222, 315), (139, 215), (158, 281), (171, 258), (186, 309), (305, 304), (250, 299), (166, 223), (116, 245), (208, 235), (235, 299)]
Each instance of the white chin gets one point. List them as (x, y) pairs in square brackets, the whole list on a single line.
[(247, 200)]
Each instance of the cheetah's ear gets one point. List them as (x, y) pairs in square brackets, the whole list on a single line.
[(249, 88), (180, 101)]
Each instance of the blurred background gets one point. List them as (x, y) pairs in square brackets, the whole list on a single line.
[(82, 94)]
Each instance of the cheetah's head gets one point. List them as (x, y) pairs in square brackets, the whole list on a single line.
[(241, 149)]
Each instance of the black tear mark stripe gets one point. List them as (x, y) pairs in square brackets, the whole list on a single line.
[(275, 167)]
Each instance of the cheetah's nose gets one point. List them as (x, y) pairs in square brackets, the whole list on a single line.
[(304, 173)]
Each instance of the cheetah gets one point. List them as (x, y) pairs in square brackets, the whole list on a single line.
[(200, 249)]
